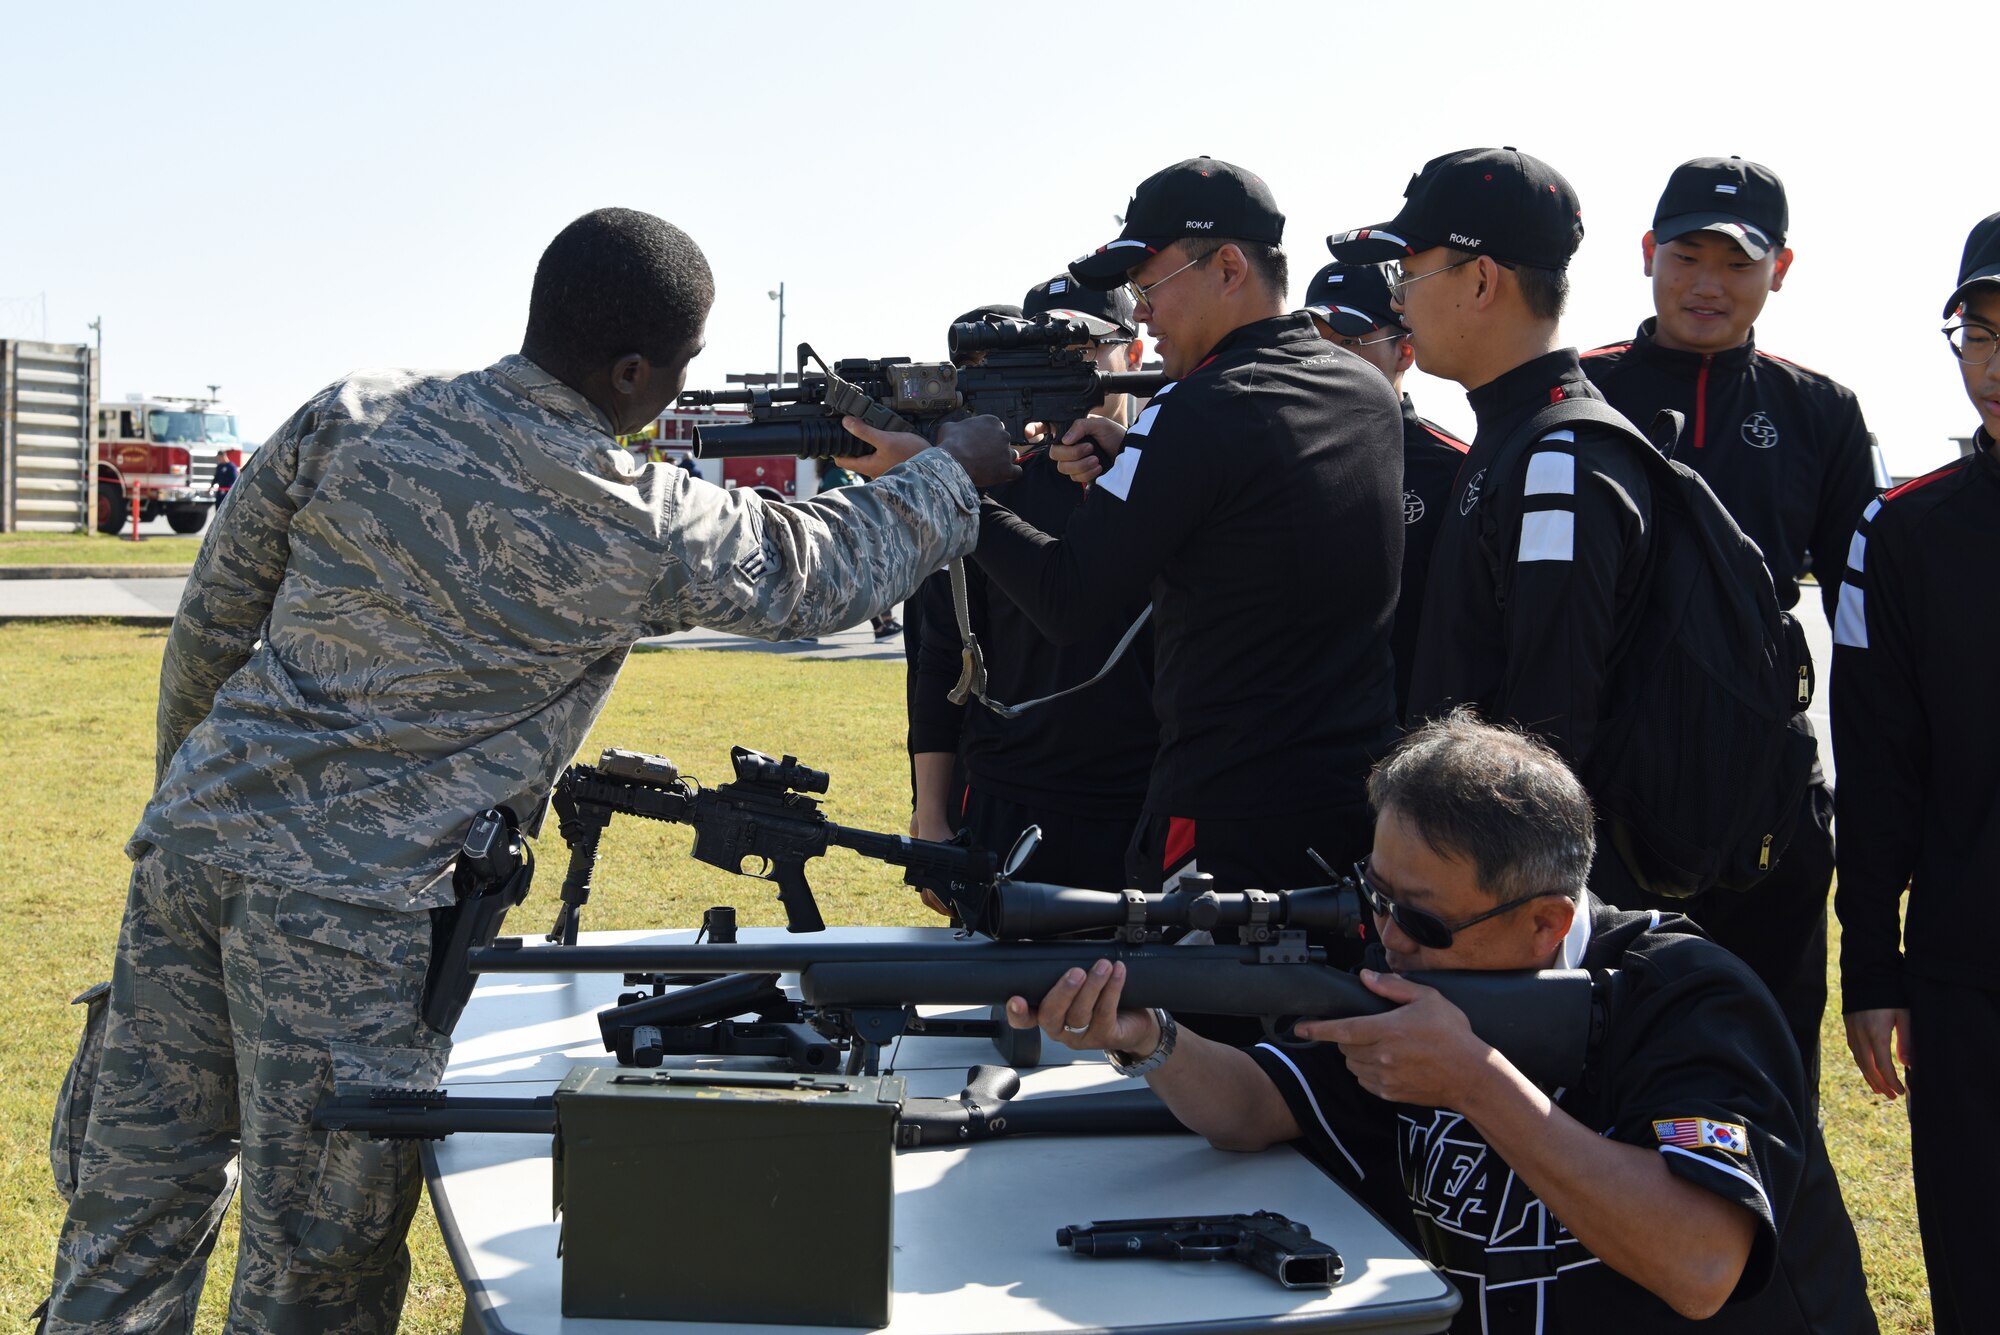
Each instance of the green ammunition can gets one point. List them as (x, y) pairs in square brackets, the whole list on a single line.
[(712, 1195)]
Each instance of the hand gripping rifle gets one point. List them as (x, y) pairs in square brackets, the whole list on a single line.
[(1545, 1023), (766, 815), (1026, 371)]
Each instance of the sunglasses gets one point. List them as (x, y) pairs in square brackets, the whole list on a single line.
[(1426, 929)]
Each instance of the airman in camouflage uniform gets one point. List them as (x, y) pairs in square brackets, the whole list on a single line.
[(410, 609)]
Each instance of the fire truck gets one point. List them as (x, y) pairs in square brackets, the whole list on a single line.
[(175, 456)]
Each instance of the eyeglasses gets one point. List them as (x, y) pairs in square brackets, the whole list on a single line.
[(1426, 929), (1399, 281), (1390, 337), (1972, 344), (1141, 295)]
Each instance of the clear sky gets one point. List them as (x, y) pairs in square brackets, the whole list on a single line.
[(269, 196)]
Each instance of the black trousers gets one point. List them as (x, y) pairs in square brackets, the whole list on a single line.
[(1087, 852), (1954, 1089), (1778, 928)]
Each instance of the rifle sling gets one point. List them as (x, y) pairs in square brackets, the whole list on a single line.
[(972, 673)]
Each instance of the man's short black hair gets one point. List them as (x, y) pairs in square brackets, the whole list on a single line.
[(1267, 262), (1544, 291), (1497, 797), (612, 283)]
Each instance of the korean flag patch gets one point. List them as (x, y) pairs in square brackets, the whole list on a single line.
[(1699, 1133)]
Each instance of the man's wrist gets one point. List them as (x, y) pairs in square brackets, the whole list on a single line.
[(1156, 1056)]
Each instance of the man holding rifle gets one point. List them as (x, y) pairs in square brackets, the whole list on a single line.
[(1258, 498), (1677, 1183)]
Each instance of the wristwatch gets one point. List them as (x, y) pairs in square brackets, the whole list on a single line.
[(1169, 1032)]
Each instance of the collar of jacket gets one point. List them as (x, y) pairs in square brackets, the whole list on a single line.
[(1645, 345), (552, 394)]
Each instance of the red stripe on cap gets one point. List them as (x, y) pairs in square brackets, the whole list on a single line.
[(1558, 394)]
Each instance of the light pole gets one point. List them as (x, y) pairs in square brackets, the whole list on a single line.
[(779, 297)]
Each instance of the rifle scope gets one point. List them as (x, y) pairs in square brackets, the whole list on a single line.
[(998, 335), (756, 767), (1029, 911)]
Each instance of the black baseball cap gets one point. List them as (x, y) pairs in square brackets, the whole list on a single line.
[(1981, 265), (1353, 299), (1199, 197), (997, 311), (1745, 201), (1486, 201), (1106, 313)]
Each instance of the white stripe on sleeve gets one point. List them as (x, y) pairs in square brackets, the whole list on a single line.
[(1118, 481), (1850, 623), (1548, 535), (1551, 473), (1857, 546), (1313, 1101), (1145, 422)]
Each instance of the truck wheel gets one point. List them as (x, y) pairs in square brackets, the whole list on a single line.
[(187, 521), (111, 509)]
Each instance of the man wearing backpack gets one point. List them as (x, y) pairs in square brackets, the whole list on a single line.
[(1583, 587), (1786, 450), (1534, 575)]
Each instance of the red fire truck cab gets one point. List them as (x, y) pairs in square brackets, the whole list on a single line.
[(177, 457)]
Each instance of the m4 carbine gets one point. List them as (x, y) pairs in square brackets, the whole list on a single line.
[(1019, 371), (765, 816)]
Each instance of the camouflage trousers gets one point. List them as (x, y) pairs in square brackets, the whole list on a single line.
[(234, 1007)]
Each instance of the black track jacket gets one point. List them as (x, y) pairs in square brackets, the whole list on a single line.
[(1783, 448), (1260, 499), (1431, 460), (1916, 734)]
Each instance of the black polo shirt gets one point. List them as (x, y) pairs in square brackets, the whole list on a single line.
[(1431, 460), (1916, 734), (1091, 751), (1259, 499), (1695, 1063), (1535, 577), (1783, 448)]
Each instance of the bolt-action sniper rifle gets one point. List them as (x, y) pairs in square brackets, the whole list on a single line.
[(766, 814), (1545, 1023), (1031, 371)]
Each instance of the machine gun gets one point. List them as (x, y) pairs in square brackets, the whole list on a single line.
[(767, 814), (1019, 371), (1546, 1023)]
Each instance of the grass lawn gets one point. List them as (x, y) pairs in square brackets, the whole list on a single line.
[(93, 549), (76, 730)]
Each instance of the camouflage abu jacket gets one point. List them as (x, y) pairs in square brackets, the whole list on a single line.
[(416, 598)]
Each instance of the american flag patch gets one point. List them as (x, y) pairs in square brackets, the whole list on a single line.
[(1725, 190), (1059, 285), (1698, 1133)]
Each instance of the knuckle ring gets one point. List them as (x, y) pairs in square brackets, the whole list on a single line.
[(1076, 1029)]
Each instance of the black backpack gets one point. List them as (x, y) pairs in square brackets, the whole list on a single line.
[(1702, 759)]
